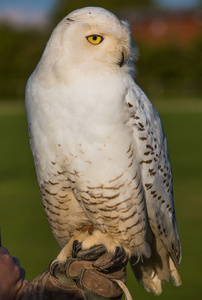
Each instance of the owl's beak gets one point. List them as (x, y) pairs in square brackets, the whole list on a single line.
[(121, 62)]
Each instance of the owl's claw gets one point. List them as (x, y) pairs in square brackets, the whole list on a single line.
[(76, 248), (52, 267), (111, 260), (118, 254), (92, 253)]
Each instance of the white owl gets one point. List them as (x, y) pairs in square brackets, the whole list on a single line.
[(99, 148)]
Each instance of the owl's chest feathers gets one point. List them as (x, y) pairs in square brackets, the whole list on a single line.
[(90, 142), (83, 129)]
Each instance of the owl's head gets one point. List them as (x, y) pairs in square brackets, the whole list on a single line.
[(90, 38)]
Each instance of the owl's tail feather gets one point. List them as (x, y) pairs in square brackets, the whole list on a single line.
[(156, 270)]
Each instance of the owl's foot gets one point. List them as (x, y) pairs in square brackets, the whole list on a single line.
[(76, 247), (111, 260), (91, 242), (96, 243), (98, 238), (89, 254), (72, 247), (91, 272), (103, 257)]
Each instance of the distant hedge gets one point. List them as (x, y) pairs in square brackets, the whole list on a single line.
[(19, 53), (171, 70)]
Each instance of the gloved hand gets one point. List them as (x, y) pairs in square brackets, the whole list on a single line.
[(90, 275), (94, 271), (11, 276)]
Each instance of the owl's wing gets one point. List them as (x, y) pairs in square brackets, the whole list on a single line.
[(152, 154)]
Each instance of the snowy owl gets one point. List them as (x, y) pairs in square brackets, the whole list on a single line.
[(99, 148)]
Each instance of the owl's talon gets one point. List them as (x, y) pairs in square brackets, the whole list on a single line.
[(76, 248), (52, 267), (92, 253), (117, 254), (109, 260)]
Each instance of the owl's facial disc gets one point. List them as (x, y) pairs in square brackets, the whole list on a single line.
[(96, 39)]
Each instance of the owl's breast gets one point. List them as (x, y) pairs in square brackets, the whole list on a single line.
[(82, 129), (84, 141)]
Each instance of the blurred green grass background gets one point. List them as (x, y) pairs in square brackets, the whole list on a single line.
[(24, 227)]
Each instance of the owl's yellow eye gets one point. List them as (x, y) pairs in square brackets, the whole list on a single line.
[(95, 39)]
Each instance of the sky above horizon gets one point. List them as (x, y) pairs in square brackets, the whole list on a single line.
[(38, 8), (26, 5), (178, 3), (46, 5)]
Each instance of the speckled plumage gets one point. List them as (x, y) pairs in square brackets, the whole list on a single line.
[(99, 148)]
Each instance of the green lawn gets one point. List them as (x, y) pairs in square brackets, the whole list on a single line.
[(25, 230)]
